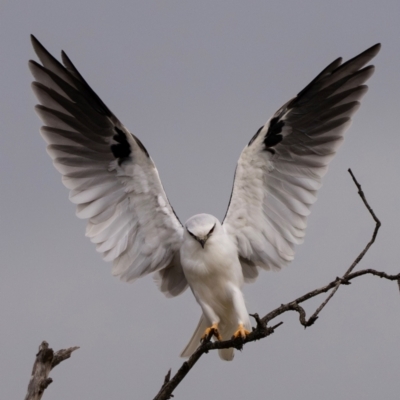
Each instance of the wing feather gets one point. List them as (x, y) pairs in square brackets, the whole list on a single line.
[(280, 171), (112, 179)]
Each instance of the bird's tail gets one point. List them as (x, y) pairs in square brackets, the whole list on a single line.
[(227, 354), (194, 342), (227, 333)]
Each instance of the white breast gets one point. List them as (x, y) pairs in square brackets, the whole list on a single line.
[(212, 272)]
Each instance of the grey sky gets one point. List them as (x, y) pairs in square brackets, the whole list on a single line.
[(195, 80)]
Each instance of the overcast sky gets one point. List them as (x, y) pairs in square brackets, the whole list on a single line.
[(194, 81)]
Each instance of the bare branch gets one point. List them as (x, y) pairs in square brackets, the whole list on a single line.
[(45, 361), (294, 305), (166, 380), (258, 333), (361, 255), (261, 330)]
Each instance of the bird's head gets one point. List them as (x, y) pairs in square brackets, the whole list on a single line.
[(201, 226)]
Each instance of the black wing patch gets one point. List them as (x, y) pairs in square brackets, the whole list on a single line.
[(122, 150), (273, 135)]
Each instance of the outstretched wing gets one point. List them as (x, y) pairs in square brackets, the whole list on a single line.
[(280, 171), (111, 177)]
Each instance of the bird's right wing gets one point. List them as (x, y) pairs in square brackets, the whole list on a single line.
[(111, 177), (280, 171)]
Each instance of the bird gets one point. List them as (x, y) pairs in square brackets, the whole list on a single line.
[(116, 186)]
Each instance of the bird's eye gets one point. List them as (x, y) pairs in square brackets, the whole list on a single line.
[(212, 230)]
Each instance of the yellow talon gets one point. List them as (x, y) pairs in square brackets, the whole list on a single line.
[(212, 331), (241, 332)]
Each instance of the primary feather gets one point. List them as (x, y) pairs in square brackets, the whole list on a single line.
[(111, 177), (280, 171)]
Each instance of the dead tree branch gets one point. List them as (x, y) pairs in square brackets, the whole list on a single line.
[(45, 361), (262, 330), (360, 256)]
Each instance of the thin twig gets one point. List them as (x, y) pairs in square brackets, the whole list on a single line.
[(293, 306), (361, 255), (166, 380)]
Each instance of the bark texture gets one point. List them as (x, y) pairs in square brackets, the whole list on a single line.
[(45, 361)]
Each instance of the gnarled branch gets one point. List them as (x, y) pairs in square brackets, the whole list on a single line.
[(45, 361)]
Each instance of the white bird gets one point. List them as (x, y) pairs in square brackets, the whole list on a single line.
[(116, 186)]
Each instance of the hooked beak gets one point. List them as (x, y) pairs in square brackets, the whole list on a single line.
[(202, 242)]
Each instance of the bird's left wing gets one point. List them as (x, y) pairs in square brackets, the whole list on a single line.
[(111, 177), (280, 170)]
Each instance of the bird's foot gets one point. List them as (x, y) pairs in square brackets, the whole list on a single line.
[(212, 331), (241, 332)]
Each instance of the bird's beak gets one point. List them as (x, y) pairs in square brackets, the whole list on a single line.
[(202, 242)]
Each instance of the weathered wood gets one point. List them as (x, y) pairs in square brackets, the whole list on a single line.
[(45, 361)]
